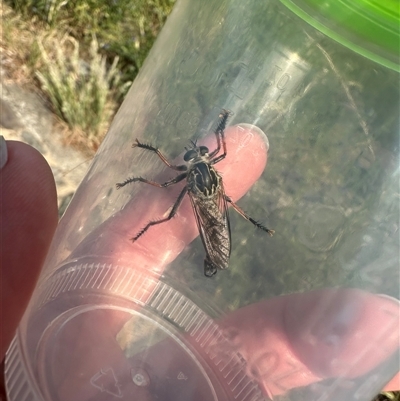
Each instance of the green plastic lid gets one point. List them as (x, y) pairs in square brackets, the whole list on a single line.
[(369, 27)]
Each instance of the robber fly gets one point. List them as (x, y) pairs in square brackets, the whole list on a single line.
[(206, 192)]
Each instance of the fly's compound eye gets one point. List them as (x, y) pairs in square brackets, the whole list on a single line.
[(203, 150), (190, 155)]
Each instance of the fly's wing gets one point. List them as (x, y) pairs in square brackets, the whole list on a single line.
[(213, 222)]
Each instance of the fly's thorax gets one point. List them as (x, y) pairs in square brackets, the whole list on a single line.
[(203, 179)]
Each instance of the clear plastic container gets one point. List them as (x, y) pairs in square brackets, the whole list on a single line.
[(112, 320)]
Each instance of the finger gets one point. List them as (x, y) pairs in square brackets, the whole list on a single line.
[(28, 207), (245, 161), (154, 250), (300, 339)]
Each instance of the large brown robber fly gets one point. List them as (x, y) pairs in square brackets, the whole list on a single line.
[(206, 192)]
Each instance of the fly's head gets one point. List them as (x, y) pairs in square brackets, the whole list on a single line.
[(196, 154)]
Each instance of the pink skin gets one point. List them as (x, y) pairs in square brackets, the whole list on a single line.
[(299, 339), (288, 341), (28, 207)]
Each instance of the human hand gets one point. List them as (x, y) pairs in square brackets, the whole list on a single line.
[(29, 218), (28, 208)]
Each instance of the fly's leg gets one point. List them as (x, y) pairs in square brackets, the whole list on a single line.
[(170, 216), (247, 217), (219, 133), (209, 268), (175, 180), (138, 144)]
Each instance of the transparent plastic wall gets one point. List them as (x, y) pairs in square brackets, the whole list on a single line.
[(315, 128)]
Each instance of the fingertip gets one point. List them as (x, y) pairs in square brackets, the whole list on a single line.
[(332, 329), (256, 131), (28, 185), (28, 206)]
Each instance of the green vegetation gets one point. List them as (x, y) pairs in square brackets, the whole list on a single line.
[(80, 92), (126, 29)]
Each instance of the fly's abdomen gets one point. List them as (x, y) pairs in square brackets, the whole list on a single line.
[(215, 234)]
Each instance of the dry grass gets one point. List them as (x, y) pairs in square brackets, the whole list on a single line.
[(79, 88), (19, 53)]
